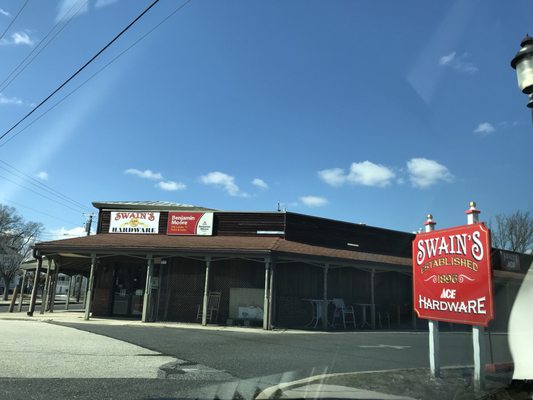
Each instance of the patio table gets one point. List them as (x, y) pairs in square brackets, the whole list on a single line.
[(317, 306)]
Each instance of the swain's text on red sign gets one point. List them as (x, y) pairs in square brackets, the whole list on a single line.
[(452, 275)]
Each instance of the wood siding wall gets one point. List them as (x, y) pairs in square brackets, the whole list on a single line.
[(247, 224), (337, 234), (225, 224), (103, 290)]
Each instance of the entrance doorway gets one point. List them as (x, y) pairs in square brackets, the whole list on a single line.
[(128, 290)]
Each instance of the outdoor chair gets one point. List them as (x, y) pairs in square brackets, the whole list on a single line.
[(343, 311), (213, 304)]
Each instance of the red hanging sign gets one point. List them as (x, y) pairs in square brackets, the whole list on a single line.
[(452, 276)]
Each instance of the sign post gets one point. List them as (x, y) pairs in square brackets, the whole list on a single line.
[(478, 332), (452, 282), (434, 348)]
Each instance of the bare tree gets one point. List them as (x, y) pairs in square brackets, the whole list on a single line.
[(16, 239), (513, 232)]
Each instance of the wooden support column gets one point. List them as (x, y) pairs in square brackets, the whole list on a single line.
[(78, 286), (86, 290), (67, 302), (35, 287), (372, 299), (89, 292), (22, 290), (266, 299), (206, 291), (325, 299), (44, 298), (13, 299), (159, 285), (272, 296), (54, 287), (147, 300)]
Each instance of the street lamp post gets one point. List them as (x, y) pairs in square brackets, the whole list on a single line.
[(523, 64)]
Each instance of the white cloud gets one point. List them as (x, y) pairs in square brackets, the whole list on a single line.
[(5, 13), (261, 184), (424, 173), (225, 181), (314, 201), (170, 186), (22, 38), (146, 174), (63, 233), (43, 175), (18, 38), (458, 63), (364, 173), (10, 100), (446, 60), (485, 128), (367, 173), (66, 8), (104, 3), (333, 177)]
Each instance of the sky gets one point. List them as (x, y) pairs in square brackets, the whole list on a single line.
[(375, 112)]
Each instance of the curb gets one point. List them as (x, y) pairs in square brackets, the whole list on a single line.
[(270, 392)]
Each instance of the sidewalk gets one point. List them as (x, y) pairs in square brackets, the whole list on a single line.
[(77, 316)]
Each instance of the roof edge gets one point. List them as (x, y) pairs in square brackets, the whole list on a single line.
[(147, 206)]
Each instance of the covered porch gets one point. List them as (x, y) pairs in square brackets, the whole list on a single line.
[(269, 282)]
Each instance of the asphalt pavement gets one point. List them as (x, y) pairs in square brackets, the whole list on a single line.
[(256, 353), (191, 361)]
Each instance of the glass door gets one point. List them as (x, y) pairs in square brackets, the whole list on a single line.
[(128, 290)]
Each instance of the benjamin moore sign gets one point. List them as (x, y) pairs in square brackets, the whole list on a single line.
[(190, 223), (452, 277), (146, 222)]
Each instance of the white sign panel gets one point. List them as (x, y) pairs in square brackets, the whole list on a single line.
[(146, 222)]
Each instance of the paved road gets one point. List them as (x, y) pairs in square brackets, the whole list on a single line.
[(251, 354), (243, 361)]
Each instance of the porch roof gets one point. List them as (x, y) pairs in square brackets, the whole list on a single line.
[(204, 245)]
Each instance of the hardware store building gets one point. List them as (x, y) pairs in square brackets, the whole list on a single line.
[(160, 261)]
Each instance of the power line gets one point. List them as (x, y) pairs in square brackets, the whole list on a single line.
[(40, 194), (39, 211), (81, 68), (13, 20), (42, 186), (97, 72), (65, 23)]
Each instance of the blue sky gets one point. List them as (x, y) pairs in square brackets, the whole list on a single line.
[(365, 111)]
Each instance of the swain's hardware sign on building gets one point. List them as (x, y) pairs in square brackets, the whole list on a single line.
[(452, 278), (134, 222)]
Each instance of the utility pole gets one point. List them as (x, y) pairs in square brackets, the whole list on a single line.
[(89, 223)]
